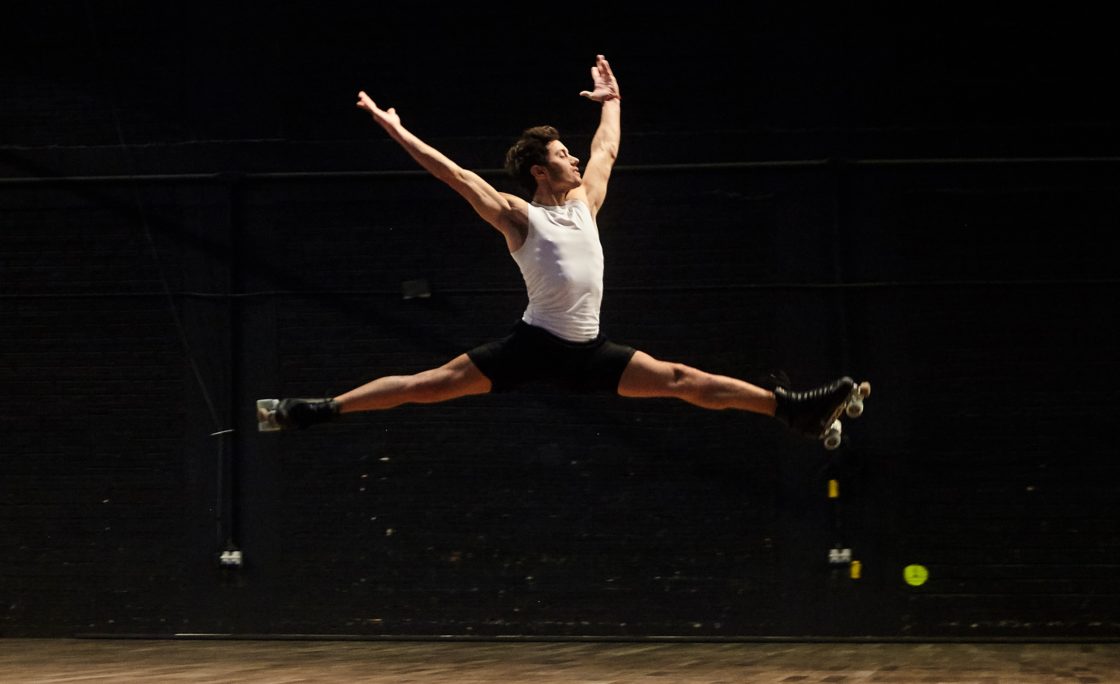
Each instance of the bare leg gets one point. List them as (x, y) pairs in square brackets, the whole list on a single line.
[(646, 376), (457, 378)]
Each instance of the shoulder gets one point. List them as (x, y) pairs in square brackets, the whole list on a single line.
[(514, 201), (579, 196), (517, 209)]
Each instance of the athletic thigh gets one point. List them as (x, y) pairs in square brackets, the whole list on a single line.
[(646, 376), (458, 377)]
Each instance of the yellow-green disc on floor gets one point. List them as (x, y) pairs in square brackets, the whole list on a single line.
[(915, 575)]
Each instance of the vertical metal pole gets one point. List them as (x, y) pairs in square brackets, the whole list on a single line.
[(229, 470)]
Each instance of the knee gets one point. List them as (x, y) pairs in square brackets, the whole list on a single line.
[(697, 386), (685, 379)]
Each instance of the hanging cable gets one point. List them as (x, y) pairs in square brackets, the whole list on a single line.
[(146, 227)]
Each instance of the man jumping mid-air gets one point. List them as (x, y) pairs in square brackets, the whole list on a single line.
[(554, 239)]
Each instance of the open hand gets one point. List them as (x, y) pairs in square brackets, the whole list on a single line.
[(385, 117), (606, 86)]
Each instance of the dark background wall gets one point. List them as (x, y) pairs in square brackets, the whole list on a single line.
[(194, 216)]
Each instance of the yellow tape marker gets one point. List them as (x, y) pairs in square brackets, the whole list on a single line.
[(856, 569), (833, 489)]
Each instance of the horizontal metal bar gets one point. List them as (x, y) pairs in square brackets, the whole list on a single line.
[(702, 166)]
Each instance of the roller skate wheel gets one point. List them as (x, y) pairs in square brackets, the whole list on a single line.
[(832, 436), (854, 409)]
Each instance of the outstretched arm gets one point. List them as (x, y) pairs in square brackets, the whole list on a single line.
[(604, 145), (507, 213)]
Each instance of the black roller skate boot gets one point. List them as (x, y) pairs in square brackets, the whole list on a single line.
[(812, 412), (294, 414)]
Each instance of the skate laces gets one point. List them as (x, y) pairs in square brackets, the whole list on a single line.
[(820, 392)]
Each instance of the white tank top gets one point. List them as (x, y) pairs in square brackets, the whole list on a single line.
[(562, 263)]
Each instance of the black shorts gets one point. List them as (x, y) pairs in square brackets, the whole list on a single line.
[(534, 356)]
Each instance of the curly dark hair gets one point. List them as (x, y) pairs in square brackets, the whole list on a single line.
[(530, 149)]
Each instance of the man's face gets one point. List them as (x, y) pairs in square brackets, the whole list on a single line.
[(563, 168)]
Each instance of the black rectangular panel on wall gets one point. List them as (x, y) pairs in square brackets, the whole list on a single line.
[(991, 293), (100, 403)]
